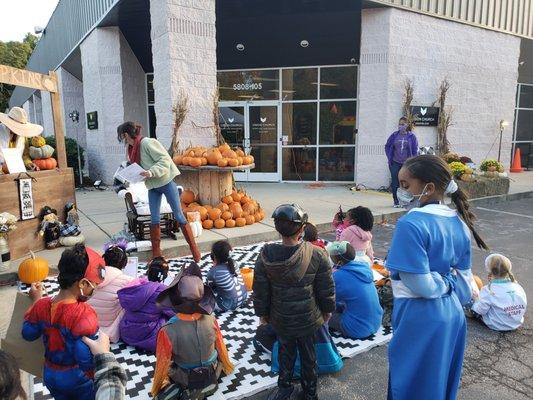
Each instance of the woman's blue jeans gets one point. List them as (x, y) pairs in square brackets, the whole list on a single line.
[(173, 198), (395, 168)]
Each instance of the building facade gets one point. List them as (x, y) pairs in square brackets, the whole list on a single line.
[(312, 88)]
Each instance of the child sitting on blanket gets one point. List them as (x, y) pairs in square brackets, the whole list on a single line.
[(105, 299), (502, 303), (358, 233), (143, 317), (311, 235), (191, 353), (358, 313), (225, 279), (64, 320)]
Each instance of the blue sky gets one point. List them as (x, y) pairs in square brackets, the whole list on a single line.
[(19, 17)]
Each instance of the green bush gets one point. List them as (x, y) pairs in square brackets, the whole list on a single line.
[(72, 153), (485, 165), (458, 168)]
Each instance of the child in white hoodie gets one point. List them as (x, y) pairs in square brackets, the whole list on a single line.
[(502, 303)]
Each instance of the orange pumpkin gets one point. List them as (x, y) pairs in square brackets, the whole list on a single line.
[(178, 159), (240, 222), (247, 160), (226, 215), (220, 223), (233, 162), (203, 213), (188, 196), (185, 160), (227, 199), (208, 207), (194, 204), (191, 153), (249, 208), (251, 158), (207, 224), (214, 214), (245, 199), (204, 160), (33, 269), (230, 223), (250, 219), (240, 160), (236, 210), (224, 147), (239, 152), (213, 156), (223, 162), (199, 152), (223, 207), (229, 154), (236, 196), (195, 162), (46, 163)]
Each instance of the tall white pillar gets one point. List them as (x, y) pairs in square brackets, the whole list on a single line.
[(184, 57)]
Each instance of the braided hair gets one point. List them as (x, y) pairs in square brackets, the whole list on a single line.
[(221, 252)]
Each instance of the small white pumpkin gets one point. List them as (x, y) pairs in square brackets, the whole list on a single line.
[(196, 228)]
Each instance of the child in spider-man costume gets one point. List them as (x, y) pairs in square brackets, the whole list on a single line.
[(63, 320)]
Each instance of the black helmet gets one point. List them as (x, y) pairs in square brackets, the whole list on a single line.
[(290, 212)]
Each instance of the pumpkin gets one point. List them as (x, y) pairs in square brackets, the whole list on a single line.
[(227, 199), (240, 222), (70, 241), (38, 141), (223, 207), (199, 152), (249, 208), (195, 162), (213, 156), (236, 196), (46, 163), (178, 159), (194, 204), (251, 159), (229, 154), (250, 219), (203, 213), (220, 223), (240, 160), (214, 214), (478, 281), (222, 162), (204, 160), (230, 223), (245, 199), (186, 160), (224, 147), (191, 153), (239, 152), (37, 153), (233, 162), (247, 160), (196, 228), (33, 269), (208, 207), (226, 215), (236, 210), (207, 224), (188, 196)]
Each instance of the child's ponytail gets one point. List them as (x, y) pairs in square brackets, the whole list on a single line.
[(462, 205), (221, 253)]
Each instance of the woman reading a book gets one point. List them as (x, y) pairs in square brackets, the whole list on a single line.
[(159, 175)]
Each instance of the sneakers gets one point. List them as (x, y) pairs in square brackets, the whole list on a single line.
[(281, 393), (397, 206)]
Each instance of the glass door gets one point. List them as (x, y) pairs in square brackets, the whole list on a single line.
[(253, 127)]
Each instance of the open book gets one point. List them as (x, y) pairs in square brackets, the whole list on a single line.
[(130, 174)]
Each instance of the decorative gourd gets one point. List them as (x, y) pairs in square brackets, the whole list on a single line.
[(236, 210), (250, 219), (203, 213), (33, 269), (38, 141), (240, 222), (220, 223), (188, 196), (230, 223), (207, 224), (195, 162), (46, 163), (223, 207), (236, 196), (214, 214), (227, 199), (226, 215), (178, 159), (222, 162), (233, 162), (37, 153), (213, 156)]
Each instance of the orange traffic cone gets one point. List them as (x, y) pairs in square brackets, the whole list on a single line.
[(517, 161)]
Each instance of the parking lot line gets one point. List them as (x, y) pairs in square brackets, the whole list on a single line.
[(505, 212)]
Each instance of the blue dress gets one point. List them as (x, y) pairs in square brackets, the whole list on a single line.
[(426, 352)]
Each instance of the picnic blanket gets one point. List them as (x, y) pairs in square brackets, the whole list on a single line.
[(252, 370)]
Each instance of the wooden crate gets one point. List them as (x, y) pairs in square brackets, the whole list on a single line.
[(52, 188)]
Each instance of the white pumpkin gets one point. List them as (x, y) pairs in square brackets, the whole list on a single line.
[(196, 228), (38, 153), (69, 241)]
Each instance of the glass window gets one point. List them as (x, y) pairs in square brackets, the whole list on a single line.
[(300, 84), (299, 123), (152, 121), (263, 124), (299, 164), (231, 121), (150, 88), (524, 125), (526, 96), (338, 83), (337, 122), (265, 158), (249, 85), (336, 164)]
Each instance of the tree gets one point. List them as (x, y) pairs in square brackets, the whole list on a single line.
[(15, 54)]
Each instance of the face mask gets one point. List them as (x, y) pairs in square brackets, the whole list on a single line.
[(82, 297), (402, 128), (407, 199)]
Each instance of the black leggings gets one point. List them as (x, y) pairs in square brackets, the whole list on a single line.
[(287, 357)]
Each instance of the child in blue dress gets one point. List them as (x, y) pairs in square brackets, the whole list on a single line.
[(429, 261)]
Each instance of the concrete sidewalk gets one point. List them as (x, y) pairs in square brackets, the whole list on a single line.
[(103, 214)]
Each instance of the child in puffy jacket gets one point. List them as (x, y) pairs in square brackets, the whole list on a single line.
[(105, 299), (143, 317), (358, 233)]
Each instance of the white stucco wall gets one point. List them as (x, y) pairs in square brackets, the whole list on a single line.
[(184, 58), (48, 119), (481, 65), (72, 99)]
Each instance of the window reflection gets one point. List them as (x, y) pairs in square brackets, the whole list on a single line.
[(337, 122), (338, 83), (299, 123), (336, 164), (300, 84), (299, 164), (249, 85)]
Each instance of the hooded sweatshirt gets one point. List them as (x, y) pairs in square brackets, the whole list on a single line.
[(293, 287), (105, 302), (143, 317), (355, 290), (360, 240), (401, 146)]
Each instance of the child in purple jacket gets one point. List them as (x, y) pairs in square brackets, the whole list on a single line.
[(143, 317)]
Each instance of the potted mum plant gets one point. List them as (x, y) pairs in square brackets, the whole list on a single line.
[(7, 224)]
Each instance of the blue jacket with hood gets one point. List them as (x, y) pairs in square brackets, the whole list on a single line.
[(357, 295)]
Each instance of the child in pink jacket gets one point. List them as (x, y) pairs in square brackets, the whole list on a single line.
[(360, 223), (105, 300)]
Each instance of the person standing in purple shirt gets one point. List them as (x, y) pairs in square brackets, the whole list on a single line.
[(400, 146)]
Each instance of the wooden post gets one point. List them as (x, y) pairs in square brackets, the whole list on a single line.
[(59, 127)]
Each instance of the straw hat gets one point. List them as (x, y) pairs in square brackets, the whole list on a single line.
[(17, 121)]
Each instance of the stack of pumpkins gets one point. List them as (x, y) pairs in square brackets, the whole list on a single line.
[(222, 156), (41, 153), (235, 210)]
